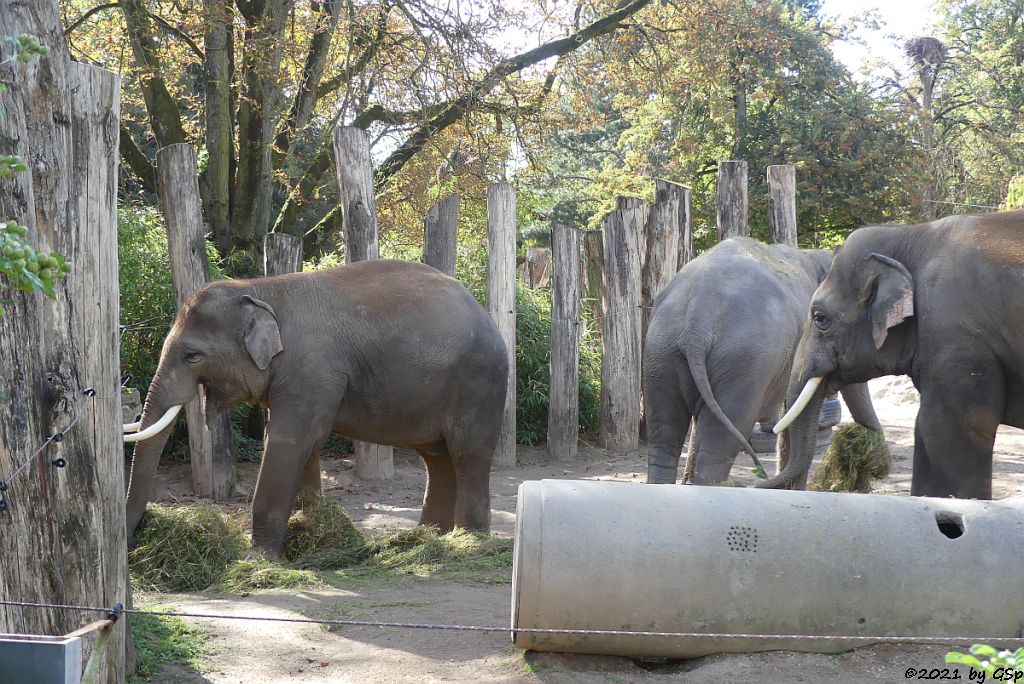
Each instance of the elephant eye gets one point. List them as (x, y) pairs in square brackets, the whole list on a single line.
[(192, 357), (821, 321)]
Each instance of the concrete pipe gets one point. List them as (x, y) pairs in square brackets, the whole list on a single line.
[(663, 558)]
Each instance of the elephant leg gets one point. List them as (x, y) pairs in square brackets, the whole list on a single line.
[(439, 497), (668, 422), (290, 442), (472, 465), (715, 447), (955, 433), (310, 486)]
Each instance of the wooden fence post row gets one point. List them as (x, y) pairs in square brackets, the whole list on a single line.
[(359, 225), (501, 302), (210, 447), (564, 391)]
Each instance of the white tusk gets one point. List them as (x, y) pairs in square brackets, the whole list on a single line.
[(132, 427), (156, 427), (799, 405)]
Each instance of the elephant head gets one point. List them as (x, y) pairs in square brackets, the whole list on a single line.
[(220, 349), (859, 327)]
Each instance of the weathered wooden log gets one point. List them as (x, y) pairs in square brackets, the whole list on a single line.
[(782, 203), (210, 447), (537, 267), (501, 302), (359, 226), (439, 234), (620, 363), (731, 200), (564, 390), (686, 250), (282, 253), (662, 237), (62, 529), (593, 254)]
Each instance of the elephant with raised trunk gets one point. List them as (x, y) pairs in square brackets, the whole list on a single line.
[(719, 350), (389, 352), (942, 302)]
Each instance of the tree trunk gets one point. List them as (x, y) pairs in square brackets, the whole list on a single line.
[(501, 302), (662, 248), (62, 533), (281, 254), (439, 234), (593, 250), (686, 250), (564, 392), (731, 201), (620, 363), (359, 225), (218, 134), (213, 462), (782, 204)]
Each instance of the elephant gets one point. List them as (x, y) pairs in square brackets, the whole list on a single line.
[(719, 349), (942, 302), (382, 351)]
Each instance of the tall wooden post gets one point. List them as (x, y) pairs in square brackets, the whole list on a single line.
[(282, 253), (686, 250), (620, 363), (501, 302), (662, 237), (593, 254), (782, 203), (564, 390), (731, 201), (213, 462), (62, 529), (439, 234), (359, 225)]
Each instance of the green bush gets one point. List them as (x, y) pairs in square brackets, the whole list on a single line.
[(999, 665), (533, 370)]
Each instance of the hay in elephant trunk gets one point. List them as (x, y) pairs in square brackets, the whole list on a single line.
[(855, 457)]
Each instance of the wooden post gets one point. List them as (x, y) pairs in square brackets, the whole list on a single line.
[(686, 250), (359, 226), (62, 529), (282, 253), (731, 202), (620, 363), (537, 267), (439, 234), (782, 203), (501, 302), (662, 244), (593, 251), (564, 391), (213, 462)]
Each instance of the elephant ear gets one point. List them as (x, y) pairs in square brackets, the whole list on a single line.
[(262, 336), (889, 294)]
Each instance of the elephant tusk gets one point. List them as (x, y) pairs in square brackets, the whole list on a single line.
[(799, 405), (132, 427), (156, 427)]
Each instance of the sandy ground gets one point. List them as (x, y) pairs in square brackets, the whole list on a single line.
[(275, 652)]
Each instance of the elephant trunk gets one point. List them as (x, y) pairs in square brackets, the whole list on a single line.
[(797, 443)]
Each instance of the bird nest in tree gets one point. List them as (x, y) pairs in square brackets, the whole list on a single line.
[(926, 50), (855, 457)]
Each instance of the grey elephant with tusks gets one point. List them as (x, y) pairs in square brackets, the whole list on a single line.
[(942, 302), (389, 352), (719, 350)]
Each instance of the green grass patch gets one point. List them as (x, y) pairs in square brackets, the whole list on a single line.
[(161, 641), (855, 457), (192, 548)]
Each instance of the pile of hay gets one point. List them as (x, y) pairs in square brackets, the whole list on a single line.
[(191, 548), (855, 457)]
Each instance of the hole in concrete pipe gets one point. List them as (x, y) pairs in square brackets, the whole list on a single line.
[(950, 524)]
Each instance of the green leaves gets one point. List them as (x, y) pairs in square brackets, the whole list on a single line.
[(989, 660), (23, 267)]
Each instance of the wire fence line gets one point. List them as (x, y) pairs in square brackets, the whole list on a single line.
[(939, 640)]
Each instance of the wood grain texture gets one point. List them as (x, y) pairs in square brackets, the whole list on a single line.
[(501, 302), (564, 390), (439, 234), (782, 204), (282, 253), (731, 200)]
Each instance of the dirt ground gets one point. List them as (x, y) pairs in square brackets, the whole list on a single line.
[(276, 652)]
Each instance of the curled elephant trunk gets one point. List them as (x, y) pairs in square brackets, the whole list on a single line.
[(806, 394), (154, 429)]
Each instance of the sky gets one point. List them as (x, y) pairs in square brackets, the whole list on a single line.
[(905, 18)]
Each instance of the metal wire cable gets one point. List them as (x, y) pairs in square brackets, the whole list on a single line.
[(537, 630)]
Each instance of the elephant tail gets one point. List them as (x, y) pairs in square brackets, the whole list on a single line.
[(696, 359)]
